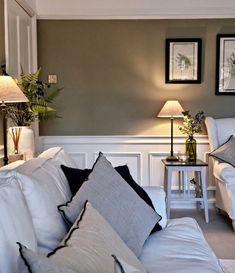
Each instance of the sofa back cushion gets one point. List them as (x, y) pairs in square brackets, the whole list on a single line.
[(16, 224), (45, 187), (219, 130)]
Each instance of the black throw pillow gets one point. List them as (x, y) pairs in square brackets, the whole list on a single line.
[(76, 177)]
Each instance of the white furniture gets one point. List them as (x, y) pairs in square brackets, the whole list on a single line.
[(30, 192), (219, 130), (199, 168)]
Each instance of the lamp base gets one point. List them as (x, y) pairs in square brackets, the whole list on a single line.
[(172, 158)]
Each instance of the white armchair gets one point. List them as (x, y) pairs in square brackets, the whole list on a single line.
[(219, 130)]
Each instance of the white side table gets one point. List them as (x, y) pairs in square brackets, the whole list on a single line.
[(199, 168)]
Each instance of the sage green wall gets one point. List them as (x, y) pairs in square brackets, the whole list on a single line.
[(2, 48), (113, 74), (2, 41)]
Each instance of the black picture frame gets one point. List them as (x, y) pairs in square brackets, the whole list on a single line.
[(183, 60), (225, 64)]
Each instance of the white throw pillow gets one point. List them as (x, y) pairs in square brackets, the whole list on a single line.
[(60, 155), (44, 187), (16, 224), (121, 206), (88, 247)]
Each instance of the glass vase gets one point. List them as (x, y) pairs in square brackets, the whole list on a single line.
[(191, 148)]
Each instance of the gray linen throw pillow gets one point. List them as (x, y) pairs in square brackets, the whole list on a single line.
[(119, 204), (90, 246), (33, 262), (226, 152)]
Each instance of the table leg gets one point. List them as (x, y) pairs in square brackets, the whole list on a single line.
[(169, 181), (165, 179), (184, 174), (197, 187), (180, 181), (204, 192)]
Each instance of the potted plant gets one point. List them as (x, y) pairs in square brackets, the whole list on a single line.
[(191, 125), (39, 107)]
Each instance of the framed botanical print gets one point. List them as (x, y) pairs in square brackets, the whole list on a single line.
[(183, 60), (225, 64)]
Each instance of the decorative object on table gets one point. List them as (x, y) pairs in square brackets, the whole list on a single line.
[(183, 60), (9, 93), (192, 125), (25, 146), (225, 64), (171, 109), (15, 157), (39, 107), (183, 157), (15, 135)]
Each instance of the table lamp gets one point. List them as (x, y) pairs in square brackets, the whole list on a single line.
[(171, 109), (9, 93)]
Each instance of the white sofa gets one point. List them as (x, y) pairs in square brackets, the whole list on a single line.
[(30, 192), (219, 130)]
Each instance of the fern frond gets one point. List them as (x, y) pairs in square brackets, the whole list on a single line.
[(40, 97)]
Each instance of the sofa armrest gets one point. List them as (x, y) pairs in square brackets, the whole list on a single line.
[(158, 198), (224, 172)]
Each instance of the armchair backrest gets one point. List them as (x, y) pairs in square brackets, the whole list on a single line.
[(219, 130)]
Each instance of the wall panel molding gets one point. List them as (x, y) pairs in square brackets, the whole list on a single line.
[(120, 139)]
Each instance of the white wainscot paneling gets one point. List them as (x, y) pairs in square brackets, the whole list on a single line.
[(132, 160), (143, 154), (80, 159)]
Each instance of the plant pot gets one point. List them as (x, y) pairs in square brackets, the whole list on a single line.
[(26, 145), (191, 148)]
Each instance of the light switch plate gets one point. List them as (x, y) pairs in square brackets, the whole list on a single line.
[(52, 79)]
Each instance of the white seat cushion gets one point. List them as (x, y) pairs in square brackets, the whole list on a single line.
[(224, 172), (16, 224), (179, 248)]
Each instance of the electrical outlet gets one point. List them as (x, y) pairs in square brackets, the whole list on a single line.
[(52, 79)]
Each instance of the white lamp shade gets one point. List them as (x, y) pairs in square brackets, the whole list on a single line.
[(171, 108), (10, 92)]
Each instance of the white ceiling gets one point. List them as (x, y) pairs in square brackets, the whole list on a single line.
[(106, 9)]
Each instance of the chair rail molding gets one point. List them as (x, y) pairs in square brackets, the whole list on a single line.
[(142, 154), (138, 9)]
